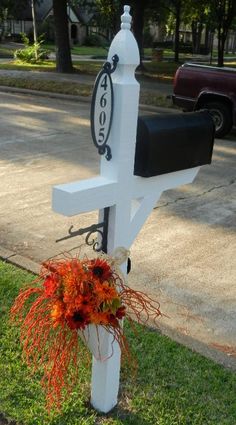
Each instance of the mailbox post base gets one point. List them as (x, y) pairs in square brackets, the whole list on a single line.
[(105, 379)]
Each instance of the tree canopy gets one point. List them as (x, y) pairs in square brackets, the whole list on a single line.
[(213, 15)]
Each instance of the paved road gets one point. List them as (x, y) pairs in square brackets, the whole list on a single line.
[(186, 252)]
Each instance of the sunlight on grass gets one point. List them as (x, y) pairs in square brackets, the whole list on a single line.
[(231, 64), (22, 66)]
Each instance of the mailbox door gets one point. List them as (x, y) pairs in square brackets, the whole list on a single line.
[(173, 142)]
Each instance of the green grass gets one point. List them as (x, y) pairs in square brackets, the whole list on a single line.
[(47, 86), (173, 386), (5, 53), (44, 66), (87, 67), (81, 50), (163, 71), (76, 89)]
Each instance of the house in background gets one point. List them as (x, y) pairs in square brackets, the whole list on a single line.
[(78, 22)]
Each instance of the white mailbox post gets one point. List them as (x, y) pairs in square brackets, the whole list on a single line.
[(130, 198)]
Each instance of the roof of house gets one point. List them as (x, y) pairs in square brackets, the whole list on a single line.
[(44, 7)]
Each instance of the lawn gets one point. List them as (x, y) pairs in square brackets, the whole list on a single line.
[(5, 52), (173, 386), (163, 71), (86, 67), (49, 86)]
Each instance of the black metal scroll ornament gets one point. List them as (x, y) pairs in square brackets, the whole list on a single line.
[(102, 108), (100, 228)]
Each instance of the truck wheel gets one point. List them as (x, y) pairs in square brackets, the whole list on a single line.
[(221, 115)]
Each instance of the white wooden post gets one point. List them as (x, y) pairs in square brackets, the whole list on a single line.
[(130, 198), (105, 375)]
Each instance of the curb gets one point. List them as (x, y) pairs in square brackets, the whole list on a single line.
[(226, 360), (19, 261), (195, 345)]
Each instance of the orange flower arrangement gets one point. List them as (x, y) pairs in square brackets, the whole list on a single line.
[(69, 295)]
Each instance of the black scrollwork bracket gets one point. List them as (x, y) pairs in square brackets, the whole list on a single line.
[(100, 228), (110, 68)]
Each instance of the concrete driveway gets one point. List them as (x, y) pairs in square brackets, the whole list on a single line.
[(185, 254)]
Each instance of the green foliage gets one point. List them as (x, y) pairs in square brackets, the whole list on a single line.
[(31, 53), (93, 40), (173, 386), (147, 38)]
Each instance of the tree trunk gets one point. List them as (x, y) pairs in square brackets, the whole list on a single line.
[(199, 36), (34, 29), (177, 25), (207, 38), (227, 43), (194, 36), (234, 44), (220, 48), (138, 24), (4, 23), (63, 55), (226, 13)]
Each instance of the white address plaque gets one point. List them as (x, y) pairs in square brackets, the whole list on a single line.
[(102, 109)]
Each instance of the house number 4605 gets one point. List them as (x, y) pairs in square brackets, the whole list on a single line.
[(102, 112)]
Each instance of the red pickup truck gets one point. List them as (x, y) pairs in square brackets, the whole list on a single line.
[(207, 87)]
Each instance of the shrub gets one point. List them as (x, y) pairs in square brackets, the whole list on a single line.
[(147, 38), (93, 40), (163, 44), (31, 53)]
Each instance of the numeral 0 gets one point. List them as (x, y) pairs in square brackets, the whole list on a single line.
[(102, 118)]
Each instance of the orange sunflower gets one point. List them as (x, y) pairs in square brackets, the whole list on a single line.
[(100, 269)]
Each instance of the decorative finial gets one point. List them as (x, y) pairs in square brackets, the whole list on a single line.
[(126, 19)]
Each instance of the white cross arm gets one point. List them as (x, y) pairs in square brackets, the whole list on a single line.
[(149, 185), (84, 196), (100, 192)]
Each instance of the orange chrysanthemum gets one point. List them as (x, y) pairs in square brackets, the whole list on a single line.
[(69, 295)]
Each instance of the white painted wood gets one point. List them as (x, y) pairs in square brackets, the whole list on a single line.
[(163, 182), (95, 337), (105, 379), (130, 198), (86, 195)]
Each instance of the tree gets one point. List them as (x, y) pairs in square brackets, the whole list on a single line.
[(63, 54), (223, 13), (175, 7), (143, 10), (196, 13), (107, 15), (8, 8), (138, 24)]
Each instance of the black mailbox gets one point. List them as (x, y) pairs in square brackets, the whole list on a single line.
[(173, 142)]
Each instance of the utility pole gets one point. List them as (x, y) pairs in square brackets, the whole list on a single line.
[(34, 28)]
